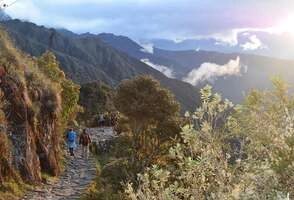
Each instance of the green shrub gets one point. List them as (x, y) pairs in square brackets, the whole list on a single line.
[(199, 168)]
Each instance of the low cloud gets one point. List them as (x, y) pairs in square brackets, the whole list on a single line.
[(253, 44), (154, 18), (210, 71), (147, 47), (224, 38), (178, 40), (163, 69)]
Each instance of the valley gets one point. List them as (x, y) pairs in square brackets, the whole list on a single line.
[(146, 100)]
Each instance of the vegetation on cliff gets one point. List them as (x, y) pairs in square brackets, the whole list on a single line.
[(229, 152), (37, 103)]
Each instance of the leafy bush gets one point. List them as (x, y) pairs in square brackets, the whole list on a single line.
[(267, 124), (200, 166)]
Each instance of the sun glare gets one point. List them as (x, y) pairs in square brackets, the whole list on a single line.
[(285, 26)]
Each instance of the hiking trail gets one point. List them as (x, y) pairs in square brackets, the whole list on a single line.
[(78, 174)]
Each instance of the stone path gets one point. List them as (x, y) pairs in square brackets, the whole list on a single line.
[(77, 176)]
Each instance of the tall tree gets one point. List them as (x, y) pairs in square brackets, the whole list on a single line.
[(152, 114)]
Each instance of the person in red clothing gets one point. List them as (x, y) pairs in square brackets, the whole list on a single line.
[(85, 141)]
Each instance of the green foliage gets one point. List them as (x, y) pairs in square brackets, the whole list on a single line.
[(13, 187), (152, 116), (148, 126), (110, 174), (267, 124), (143, 99), (95, 97), (200, 167), (48, 64), (68, 90), (70, 98)]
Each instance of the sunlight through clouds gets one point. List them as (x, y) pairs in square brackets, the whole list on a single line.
[(174, 20)]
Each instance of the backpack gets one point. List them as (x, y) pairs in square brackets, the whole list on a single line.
[(71, 136)]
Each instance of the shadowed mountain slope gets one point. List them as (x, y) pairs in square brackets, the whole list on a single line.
[(85, 58)]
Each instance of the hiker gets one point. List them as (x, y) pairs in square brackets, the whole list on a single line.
[(71, 137), (101, 120), (85, 141)]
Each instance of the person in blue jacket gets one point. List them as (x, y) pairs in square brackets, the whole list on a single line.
[(71, 138)]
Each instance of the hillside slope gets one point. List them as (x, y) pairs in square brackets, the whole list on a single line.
[(85, 59), (231, 80), (240, 72), (33, 114)]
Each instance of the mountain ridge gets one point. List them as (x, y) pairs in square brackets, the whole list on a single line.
[(87, 59), (247, 72)]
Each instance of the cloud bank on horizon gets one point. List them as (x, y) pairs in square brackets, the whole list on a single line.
[(170, 19)]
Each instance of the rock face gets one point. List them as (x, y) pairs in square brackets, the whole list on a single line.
[(32, 116), (22, 137), (35, 146)]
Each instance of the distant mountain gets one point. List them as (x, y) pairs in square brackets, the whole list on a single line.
[(231, 74), (279, 45), (67, 33), (85, 58), (4, 16), (135, 50)]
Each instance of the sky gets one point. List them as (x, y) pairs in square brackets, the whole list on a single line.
[(170, 19)]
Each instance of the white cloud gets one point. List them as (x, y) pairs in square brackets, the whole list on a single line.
[(231, 37), (210, 71), (178, 40), (253, 44), (163, 69), (147, 47), (177, 20), (25, 9), (228, 37)]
